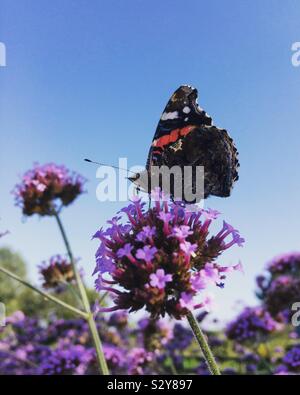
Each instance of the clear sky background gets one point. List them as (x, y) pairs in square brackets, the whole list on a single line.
[(91, 78)]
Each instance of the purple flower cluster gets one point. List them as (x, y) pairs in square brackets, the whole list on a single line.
[(56, 272), (71, 359), (116, 358), (47, 187), (252, 324), (64, 347), (30, 346), (139, 361), (119, 319), (23, 348), (162, 258), (251, 361), (281, 295), (279, 288), (155, 334), (285, 264), (75, 330), (290, 362), (60, 347), (292, 359), (182, 338)]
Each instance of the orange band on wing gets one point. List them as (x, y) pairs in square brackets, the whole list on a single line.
[(173, 136)]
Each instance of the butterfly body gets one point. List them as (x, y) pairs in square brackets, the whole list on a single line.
[(186, 137)]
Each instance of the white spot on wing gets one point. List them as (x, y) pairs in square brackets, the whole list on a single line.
[(169, 115), (186, 109)]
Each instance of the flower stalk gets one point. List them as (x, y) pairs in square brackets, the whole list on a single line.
[(45, 294), (200, 337), (89, 315)]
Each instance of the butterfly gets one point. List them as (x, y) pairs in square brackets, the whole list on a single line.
[(186, 137)]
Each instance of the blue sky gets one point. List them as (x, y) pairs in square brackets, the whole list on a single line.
[(90, 79)]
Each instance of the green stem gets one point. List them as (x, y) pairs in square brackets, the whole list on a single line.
[(98, 345), (172, 366), (90, 319), (44, 294), (200, 337), (72, 290), (79, 282)]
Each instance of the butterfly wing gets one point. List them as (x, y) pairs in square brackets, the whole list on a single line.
[(212, 148), (181, 112), (185, 136)]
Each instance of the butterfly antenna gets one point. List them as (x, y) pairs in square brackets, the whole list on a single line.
[(103, 164)]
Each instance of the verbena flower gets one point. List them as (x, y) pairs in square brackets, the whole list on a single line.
[(181, 339), (115, 358), (155, 334), (139, 360), (75, 330), (18, 360), (279, 287), (56, 272), (254, 323), (119, 319), (58, 347), (23, 348), (251, 361), (47, 187), (73, 359), (178, 343), (162, 258), (282, 293), (290, 362), (285, 264), (292, 359)]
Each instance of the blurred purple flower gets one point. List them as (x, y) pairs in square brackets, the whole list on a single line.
[(292, 359), (279, 286), (46, 188), (56, 273), (254, 323), (62, 361)]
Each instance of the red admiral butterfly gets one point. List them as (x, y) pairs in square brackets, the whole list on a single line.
[(185, 136)]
